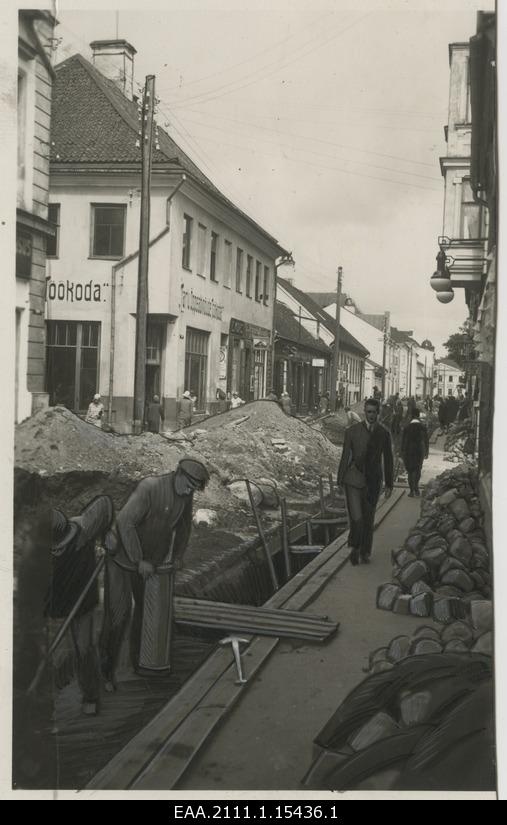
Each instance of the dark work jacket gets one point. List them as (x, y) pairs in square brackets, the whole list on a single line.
[(146, 521), (154, 415), (368, 451), (414, 445), (71, 570)]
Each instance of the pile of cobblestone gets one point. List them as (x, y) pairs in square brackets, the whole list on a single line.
[(444, 565), (475, 633)]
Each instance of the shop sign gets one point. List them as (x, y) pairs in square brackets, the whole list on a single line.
[(260, 343), (23, 255), (238, 327), (72, 292), (318, 362), (201, 306)]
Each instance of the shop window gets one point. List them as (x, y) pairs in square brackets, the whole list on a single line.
[(155, 342), (108, 230), (196, 365), (72, 362), (239, 270), (52, 243)]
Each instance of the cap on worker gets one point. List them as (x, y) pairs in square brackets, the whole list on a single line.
[(234, 393), (195, 471), (96, 397), (186, 394), (62, 530)]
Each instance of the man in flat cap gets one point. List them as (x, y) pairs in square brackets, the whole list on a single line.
[(146, 544)]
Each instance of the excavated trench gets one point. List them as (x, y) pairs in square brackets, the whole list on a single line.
[(227, 564)]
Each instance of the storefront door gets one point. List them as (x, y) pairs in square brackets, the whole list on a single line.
[(196, 365)]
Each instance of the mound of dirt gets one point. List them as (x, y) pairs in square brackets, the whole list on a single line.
[(55, 449)]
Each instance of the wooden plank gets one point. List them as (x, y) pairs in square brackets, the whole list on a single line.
[(246, 609), (159, 755)]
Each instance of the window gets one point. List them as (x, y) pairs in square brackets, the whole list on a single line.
[(265, 286), (196, 362), (249, 267), (201, 250), (440, 378), (72, 362), (186, 241), (108, 223), (258, 267), (449, 379), (228, 264), (239, 270), (213, 257), (52, 242), (471, 213)]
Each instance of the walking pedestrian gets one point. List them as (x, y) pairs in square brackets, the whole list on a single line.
[(148, 540), (95, 411), (397, 416), (414, 449), (154, 415), (185, 413), (367, 457), (443, 415)]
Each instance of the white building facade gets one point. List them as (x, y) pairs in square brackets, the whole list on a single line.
[(210, 280)]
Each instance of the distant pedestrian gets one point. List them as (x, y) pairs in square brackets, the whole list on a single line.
[(452, 409), (397, 416), (95, 411), (324, 403), (464, 411), (286, 403), (414, 449), (154, 415), (411, 406), (236, 401), (185, 413), (352, 417), (443, 415), (367, 457)]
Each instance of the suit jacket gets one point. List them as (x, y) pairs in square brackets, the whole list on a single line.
[(414, 445), (367, 451), (146, 522)]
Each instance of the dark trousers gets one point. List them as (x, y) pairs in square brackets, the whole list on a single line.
[(361, 506), (88, 671), (414, 476)]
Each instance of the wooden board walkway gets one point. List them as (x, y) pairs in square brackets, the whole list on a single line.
[(158, 756)]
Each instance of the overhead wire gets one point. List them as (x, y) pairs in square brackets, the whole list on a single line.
[(279, 65)]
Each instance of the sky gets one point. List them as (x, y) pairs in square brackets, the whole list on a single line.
[(322, 120)]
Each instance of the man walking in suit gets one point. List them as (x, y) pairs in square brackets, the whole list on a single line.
[(366, 447)]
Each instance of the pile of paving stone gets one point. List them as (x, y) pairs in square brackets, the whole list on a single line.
[(444, 564), (475, 633), (426, 723)]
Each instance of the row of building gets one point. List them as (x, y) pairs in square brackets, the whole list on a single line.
[(220, 319), (466, 258)]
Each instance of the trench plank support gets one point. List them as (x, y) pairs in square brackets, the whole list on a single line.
[(158, 756)]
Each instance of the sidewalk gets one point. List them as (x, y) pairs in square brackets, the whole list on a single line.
[(266, 741)]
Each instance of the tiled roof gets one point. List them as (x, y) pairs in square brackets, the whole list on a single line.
[(93, 122), (347, 341), (325, 299), (287, 326), (402, 336)]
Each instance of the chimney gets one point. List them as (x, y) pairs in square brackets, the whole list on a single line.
[(115, 60), (290, 281)]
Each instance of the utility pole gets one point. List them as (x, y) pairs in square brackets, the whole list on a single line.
[(384, 353), (336, 347), (147, 113)]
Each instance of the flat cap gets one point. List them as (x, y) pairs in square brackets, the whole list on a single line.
[(196, 471)]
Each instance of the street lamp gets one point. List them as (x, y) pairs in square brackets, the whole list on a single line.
[(441, 280), (285, 260)]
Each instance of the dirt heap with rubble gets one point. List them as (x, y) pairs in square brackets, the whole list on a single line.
[(62, 461)]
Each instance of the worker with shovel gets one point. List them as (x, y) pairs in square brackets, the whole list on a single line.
[(143, 548)]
